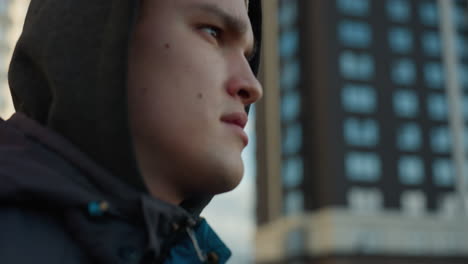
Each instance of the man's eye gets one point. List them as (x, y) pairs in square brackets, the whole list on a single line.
[(212, 31)]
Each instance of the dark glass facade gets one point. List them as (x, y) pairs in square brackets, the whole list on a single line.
[(386, 113), (365, 114)]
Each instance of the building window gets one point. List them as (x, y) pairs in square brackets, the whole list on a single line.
[(464, 105), (463, 74), (358, 98), (293, 172), (400, 39), (365, 200), (293, 202), (462, 43), (413, 203), (290, 106), (465, 133), (443, 172), (398, 10), (409, 137), (292, 139), (405, 103), (363, 166), (410, 170), (434, 75), (459, 16), (290, 75), (356, 66), (437, 107), (431, 44), (361, 132), (440, 139), (289, 43), (355, 34), (288, 13), (428, 13), (354, 7), (403, 72)]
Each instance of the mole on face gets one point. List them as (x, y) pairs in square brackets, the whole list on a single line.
[(200, 95), (167, 46)]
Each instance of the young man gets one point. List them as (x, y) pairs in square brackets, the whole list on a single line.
[(130, 118)]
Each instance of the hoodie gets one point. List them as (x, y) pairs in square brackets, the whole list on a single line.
[(67, 164)]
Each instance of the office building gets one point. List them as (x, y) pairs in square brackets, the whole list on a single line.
[(354, 141)]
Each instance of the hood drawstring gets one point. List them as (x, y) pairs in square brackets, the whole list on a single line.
[(201, 256)]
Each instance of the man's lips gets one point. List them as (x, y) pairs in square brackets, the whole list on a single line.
[(237, 120)]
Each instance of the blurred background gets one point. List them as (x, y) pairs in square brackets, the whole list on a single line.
[(359, 145)]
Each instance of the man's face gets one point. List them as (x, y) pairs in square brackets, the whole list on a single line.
[(189, 83)]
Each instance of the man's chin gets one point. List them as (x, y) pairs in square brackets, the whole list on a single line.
[(224, 185), (224, 182), (216, 177)]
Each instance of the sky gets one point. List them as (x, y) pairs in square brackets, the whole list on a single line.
[(232, 215)]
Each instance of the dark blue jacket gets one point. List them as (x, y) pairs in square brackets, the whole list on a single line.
[(57, 206)]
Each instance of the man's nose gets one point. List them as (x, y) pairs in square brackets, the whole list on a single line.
[(244, 85)]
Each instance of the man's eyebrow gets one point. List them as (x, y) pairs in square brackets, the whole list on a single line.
[(232, 23)]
